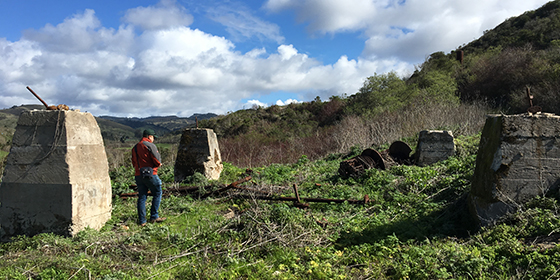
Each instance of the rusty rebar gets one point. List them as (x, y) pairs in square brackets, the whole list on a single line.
[(298, 201), (532, 109), (460, 55), (186, 190), (232, 185), (529, 96), (44, 103), (295, 199)]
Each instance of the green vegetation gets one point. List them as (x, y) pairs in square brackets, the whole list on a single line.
[(538, 28), (416, 227), (523, 52)]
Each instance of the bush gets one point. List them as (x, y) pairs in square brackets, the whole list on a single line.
[(502, 78)]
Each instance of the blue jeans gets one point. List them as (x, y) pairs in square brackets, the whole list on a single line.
[(154, 185)]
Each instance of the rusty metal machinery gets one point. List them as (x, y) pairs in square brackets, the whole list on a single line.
[(63, 107), (398, 153), (298, 201), (532, 109)]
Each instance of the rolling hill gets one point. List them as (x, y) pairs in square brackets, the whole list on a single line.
[(112, 128)]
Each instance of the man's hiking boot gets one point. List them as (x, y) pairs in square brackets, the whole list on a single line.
[(158, 220)]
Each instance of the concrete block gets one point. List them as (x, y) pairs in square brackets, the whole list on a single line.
[(57, 177), (434, 146), (198, 152), (518, 159)]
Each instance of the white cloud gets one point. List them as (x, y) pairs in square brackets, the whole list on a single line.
[(287, 52), (76, 34), (429, 26), (167, 68), (243, 25), (257, 103), (328, 16), (165, 14), (254, 103), (288, 101), (176, 70)]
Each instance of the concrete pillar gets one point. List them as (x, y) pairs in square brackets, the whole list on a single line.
[(434, 146), (57, 177), (518, 159), (198, 152)]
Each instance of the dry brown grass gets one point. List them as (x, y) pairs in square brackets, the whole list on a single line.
[(464, 119), (249, 151)]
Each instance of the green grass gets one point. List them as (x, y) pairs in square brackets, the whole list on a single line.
[(415, 228)]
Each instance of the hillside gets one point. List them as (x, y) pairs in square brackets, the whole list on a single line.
[(538, 28), (520, 53), (132, 127), (166, 123), (112, 128)]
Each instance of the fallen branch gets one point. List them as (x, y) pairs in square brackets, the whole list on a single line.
[(295, 199)]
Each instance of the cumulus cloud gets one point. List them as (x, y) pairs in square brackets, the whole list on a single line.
[(254, 103), (162, 71), (156, 64), (288, 101), (165, 14), (405, 29), (416, 28), (80, 33), (328, 16)]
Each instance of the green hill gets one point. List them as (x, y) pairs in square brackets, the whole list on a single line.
[(133, 127), (497, 69), (112, 128), (538, 28), (522, 52)]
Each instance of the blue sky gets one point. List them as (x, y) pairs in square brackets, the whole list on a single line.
[(180, 57)]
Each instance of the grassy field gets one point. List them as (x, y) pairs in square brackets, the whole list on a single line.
[(415, 227)]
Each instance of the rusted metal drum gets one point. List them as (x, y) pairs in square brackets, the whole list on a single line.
[(357, 165), (376, 157), (400, 152)]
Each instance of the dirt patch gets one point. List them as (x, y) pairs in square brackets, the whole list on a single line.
[(544, 241)]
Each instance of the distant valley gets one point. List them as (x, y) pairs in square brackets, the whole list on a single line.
[(112, 128)]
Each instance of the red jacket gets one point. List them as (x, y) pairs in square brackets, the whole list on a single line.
[(148, 156)]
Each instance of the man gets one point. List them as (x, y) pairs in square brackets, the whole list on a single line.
[(145, 154)]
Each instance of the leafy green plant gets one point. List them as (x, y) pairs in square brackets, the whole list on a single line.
[(413, 228)]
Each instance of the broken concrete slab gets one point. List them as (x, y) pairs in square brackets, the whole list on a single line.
[(518, 159), (56, 177), (198, 152)]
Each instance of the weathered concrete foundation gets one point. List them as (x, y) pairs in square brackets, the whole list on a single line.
[(198, 152), (518, 159), (434, 146), (57, 177)]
